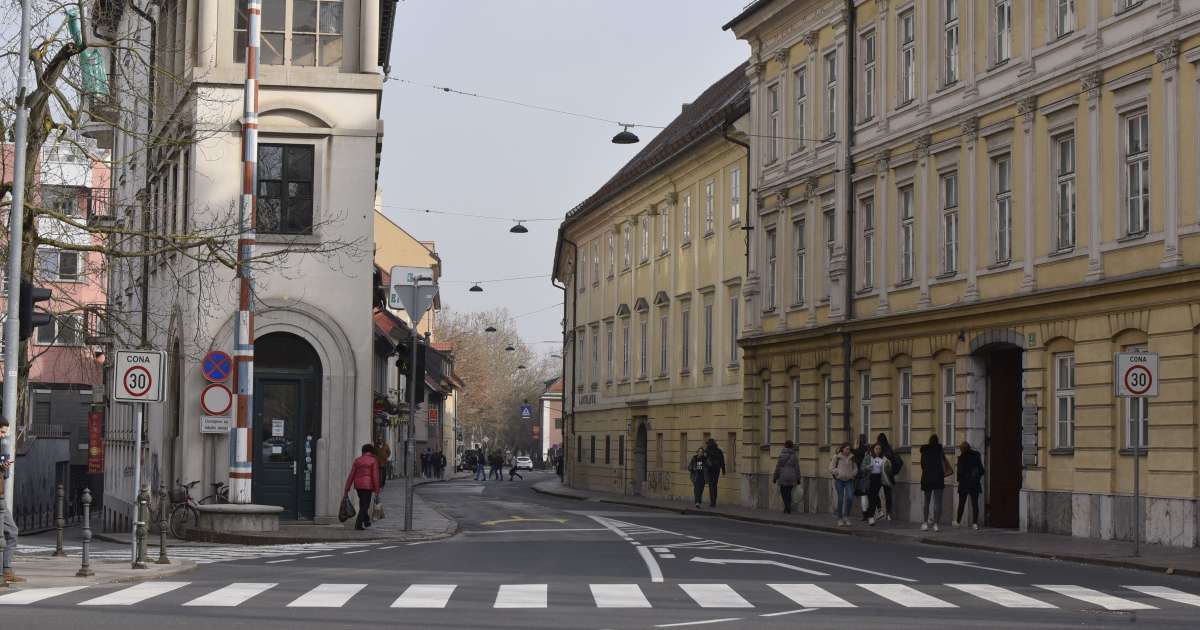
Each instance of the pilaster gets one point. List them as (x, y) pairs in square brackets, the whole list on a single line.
[(1167, 56), (368, 40), (969, 128), (1028, 110), (1092, 83), (922, 245), (882, 188)]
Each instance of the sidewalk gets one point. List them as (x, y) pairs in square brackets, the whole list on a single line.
[(42, 571), (1157, 558)]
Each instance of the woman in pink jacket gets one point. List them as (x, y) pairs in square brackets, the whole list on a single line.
[(364, 477)]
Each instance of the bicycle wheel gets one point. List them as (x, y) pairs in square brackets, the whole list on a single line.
[(182, 517)]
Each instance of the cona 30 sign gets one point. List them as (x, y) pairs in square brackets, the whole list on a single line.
[(1136, 375), (139, 376)]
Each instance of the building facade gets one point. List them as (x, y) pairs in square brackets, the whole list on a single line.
[(653, 265), (979, 204)]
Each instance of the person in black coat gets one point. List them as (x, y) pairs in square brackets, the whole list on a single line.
[(970, 482), (934, 470), (861, 484), (714, 467), (896, 464)]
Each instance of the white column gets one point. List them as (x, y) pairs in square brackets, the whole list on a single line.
[(1092, 40), (922, 246), (967, 61), (368, 37), (815, 130), (969, 129), (1092, 85), (816, 250), (1028, 109), (207, 14), (923, 69), (882, 188), (882, 54), (1168, 56), (1027, 65)]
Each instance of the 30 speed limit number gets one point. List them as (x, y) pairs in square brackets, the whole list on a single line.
[(139, 376), (1136, 374)]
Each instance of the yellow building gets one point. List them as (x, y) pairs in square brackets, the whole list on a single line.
[(1009, 199), (653, 265)]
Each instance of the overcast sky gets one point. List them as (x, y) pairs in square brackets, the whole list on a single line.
[(630, 60)]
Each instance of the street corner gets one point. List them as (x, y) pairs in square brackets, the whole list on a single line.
[(50, 572)]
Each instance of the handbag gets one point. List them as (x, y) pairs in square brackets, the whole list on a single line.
[(346, 511), (377, 510)]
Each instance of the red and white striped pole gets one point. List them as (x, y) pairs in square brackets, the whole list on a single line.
[(242, 444)]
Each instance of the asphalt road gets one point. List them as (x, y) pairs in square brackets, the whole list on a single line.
[(528, 561)]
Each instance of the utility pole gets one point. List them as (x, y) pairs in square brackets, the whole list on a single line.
[(12, 340)]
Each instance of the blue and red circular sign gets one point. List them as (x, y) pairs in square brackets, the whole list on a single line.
[(217, 366)]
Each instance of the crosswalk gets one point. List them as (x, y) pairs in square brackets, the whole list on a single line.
[(210, 554), (608, 596)]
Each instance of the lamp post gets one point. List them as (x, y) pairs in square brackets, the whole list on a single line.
[(413, 317)]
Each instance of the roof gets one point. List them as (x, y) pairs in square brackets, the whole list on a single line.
[(720, 104), (390, 326), (443, 346), (387, 21), (749, 10)]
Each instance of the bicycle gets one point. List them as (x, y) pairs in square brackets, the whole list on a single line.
[(220, 494), (183, 507)]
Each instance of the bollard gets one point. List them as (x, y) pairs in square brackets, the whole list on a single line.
[(59, 521), (85, 570), (163, 504), (139, 560)]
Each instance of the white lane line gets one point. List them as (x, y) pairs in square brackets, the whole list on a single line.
[(906, 596), (425, 596), (348, 553), (619, 596), (233, 595), (811, 596), (34, 595), (134, 594), (521, 596), (697, 623), (661, 550), (539, 531), (651, 564), (788, 612), (715, 596), (327, 555), (666, 556), (1108, 602), (1002, 596), (389, 547), (1168, 594), (280, 561), (327, 596)]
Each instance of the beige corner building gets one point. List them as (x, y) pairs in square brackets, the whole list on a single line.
[(653, 265), (963, 210)]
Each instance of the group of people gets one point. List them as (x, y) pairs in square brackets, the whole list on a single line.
[(869, 471), (433, 464), (481, 462), (706, 468)]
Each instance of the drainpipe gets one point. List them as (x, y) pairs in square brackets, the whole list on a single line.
[(145, 288), (848, 184), (568, 337)]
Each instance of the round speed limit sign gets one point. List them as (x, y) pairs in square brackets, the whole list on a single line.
[(1136, 374), (139, 376)]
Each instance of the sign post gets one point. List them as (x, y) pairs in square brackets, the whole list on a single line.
[(407, 293), (1136, 376), (139, 381)]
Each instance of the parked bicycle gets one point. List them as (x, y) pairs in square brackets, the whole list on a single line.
[(183, 512)]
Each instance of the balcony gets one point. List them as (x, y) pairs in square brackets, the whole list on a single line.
[(99, 207), (95, 325)]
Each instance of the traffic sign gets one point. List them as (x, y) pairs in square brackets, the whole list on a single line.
[(526, 412), (217, 366), (216, 399), (1136, 375), (412, 289), (139, 376), (215, 424)]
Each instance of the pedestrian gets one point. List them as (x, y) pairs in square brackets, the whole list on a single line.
[(714, 467), (970, 482), (441, 465), (480, 466), (497, 462), (696, 470), (890, 482), (425, 463), (878, 468), (364, 478), (862, 448), (787, 474), (512, 471), (844, 471), (383, 453), (558, 467), (935, 467), (8, 527)]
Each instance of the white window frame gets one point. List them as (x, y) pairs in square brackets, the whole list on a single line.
[(664, 227), (664, 345), (1065, 217), (643, 346), (949, 403), (829, 217), (709, 195), (907, 234), (53, 272), (735, 194), (595, 356), (906, 31), (831, 85), (799, 260), (288, 35), (796, 410), (950, 42), (708, 335), (733, 329), (771, 277), (51, 334), (608, 333), (627, 241), (866, 215), (645, 241), (625, 348), (904, 376), (800, 97), (1126, 5), (685, 338), (774, 120), (1064, 400), (868, 55), (1135, 132), (596, 262), (864, 402), (1063, 17), (686, 220), (1001, 209), (948, 186), (1001, 21), (612, 254)]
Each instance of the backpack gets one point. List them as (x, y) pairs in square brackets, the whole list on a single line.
[(897, 464)]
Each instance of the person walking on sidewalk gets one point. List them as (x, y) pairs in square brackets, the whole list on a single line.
[(714, 467), (862, 448), (787, 474), (890, 482), (970, 482), (878, 468), (383, 453), (364, 478), (696, 470), (935, 467), (8, 527), (844, 471)]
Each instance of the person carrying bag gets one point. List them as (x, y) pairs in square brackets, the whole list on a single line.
[(364, 478)]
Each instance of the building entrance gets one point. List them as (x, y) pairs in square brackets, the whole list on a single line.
[(639, 456), (287, 424), (1002, 441)]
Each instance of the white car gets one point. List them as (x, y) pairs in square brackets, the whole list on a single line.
[(523, 462)]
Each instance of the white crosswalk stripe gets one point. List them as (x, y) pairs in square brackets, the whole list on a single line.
[(135, 594), (1094, 597), (34, 595), (907, 596), (425, 596), (619, 596), (811, 596), (1169, 594), (213, 554), (521, 596), (233, 595), (1002, 596), (715, 596), (327, 596)]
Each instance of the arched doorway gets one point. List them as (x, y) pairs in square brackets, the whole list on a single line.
[(287, 423), (997, 357), (639, 456)]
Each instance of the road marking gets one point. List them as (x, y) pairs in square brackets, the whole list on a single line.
[(521, 596), (389, 547), (327, 596), (1108, 602), (697, 623), (906, 596), (522, 519), (715, 596), (350, 553), (762, 562), (134, 594), (651, 564), (232, 595), (811, 596), (35, 595), (619, 596), (525, 531), (1168, 594), (328, 555), (1002, 596), (788, 612), (667, 556), (280, 561), (966, 563), (425, 596)]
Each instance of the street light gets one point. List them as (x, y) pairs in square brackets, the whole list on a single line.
[(510, 349), (626, 136), (476, 288), (520, 367), (519, 229), (489, 329)]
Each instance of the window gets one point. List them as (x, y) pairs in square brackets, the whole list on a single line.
[(800, 85), (908, 58), (798, 261), (864, 402), (608, 334), (1064, 198), (866, 217), (61, 199), (285, 189), (56, 265), (315, 36), (579, 448), (733, 330), (643, 346), (664, 229), (766, 412), (950, 43), (868, 76), (596, 262), (685, 339), (1002, 210), (595, 355), (907, 232), (948, 404), (1003, 24), (625, 349), (771, 275), (1064, 400), (683, 451), (708, 336), (664, 344), (621, 450), (627, 246), (735, 194), (949, 223), (795, 435), (592, 453), (658, 449), (709, 187), (830, 236), (1064, 17), (906, 402), (773, 135), (645, 242), (612, 254), (1125, 5), (1137, 416), (687, 219), (581, 357), (608, 449), (63, 330), (1137, 173), (827, 406), (831, 79)]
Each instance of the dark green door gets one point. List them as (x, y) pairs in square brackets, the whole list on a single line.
[(279, 443)]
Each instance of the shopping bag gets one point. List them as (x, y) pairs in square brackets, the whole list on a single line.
[(377, 510), (346, 511)]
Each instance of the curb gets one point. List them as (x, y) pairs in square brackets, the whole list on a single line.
[(882, 535), (179, 567)]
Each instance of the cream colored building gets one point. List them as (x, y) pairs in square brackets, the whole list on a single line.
[(1010, 200), (653, 265)]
